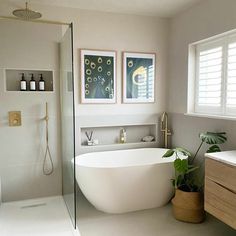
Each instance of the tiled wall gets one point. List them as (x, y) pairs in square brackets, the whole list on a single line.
[(28, 46)]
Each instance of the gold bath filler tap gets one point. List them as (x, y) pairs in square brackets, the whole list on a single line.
[(164, 129)]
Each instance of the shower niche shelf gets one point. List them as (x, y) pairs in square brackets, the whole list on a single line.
[(13, 78)]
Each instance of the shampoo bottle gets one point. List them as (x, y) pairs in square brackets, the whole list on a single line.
[(41, 83), (23, 85), (32, 83)]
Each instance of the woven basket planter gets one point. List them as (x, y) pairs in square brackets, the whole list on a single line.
[(188, 206)]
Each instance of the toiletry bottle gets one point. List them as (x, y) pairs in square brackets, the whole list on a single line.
[(32, 83), (123, 136), (23, 84), (41, 83)]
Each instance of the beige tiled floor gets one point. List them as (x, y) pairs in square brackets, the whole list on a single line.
[(154, 222)]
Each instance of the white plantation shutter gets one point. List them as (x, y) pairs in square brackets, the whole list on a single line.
[(209, 78), (215, 80), (231, 79)]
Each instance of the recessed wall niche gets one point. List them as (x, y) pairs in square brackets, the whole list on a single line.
[(13, 78), (110, 135)]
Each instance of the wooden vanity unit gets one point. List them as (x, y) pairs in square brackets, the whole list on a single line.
[(220, 186)]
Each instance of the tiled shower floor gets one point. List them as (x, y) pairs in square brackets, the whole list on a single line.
[(37, 217), (153, 222)]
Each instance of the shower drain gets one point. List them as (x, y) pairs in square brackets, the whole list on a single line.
[(34, 205)]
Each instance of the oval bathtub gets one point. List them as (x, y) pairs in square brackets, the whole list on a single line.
[(125, 180)]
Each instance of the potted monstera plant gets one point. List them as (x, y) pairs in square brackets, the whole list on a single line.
[(188, 203)]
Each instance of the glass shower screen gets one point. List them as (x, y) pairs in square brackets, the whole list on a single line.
[(68, 122)]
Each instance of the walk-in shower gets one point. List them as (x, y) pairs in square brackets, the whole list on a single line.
[(37, 51)]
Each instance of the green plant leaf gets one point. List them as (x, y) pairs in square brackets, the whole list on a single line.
[(183, 151), (214, 148), (213, 138), (181, 166), (169, 153)]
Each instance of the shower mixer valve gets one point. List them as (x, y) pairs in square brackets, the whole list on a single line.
[(14, 118)]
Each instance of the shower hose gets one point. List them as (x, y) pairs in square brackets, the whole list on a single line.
[(47, 152)]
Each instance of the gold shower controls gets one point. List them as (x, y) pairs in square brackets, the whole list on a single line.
[(14, 118)]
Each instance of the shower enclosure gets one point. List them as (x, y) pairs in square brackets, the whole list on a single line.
[(37, 47)]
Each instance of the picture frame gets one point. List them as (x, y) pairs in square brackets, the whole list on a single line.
[(139, 73), (98, 76)]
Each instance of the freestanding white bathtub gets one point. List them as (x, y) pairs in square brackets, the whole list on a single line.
[(125, 180)]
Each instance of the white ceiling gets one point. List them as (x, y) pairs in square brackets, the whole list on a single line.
[(161, 8)]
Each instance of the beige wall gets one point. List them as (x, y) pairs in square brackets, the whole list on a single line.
[(206, 19), (95, 30), (125, 33), (120, 32), (28, 46)]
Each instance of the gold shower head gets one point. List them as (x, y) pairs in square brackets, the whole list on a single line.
[(27, 14)]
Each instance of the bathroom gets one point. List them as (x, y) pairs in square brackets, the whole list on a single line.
[(31, 200)]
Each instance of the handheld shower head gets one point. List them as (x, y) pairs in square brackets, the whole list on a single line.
[(26, 14)]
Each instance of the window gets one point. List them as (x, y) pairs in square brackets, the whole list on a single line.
[(214, 80)]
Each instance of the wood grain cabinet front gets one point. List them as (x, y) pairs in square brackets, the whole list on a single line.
[(220, 191)]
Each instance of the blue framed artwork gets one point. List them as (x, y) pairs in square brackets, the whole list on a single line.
[(139, 77), (98, 76)]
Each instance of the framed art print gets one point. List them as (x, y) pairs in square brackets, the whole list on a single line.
[(138, 77), (98, 76)]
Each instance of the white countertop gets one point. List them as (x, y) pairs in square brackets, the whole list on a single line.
[(228, 157)]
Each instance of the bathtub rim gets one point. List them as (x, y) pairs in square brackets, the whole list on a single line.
[(168, 160)]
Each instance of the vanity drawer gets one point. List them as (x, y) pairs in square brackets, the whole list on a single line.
[(221, 173), (220, 202)]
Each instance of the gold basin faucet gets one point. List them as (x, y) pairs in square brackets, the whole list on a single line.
[(164, 128)]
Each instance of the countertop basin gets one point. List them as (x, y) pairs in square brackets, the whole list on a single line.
[(228, 157)]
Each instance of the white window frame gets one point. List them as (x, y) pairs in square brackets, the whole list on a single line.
[(193, 77)]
